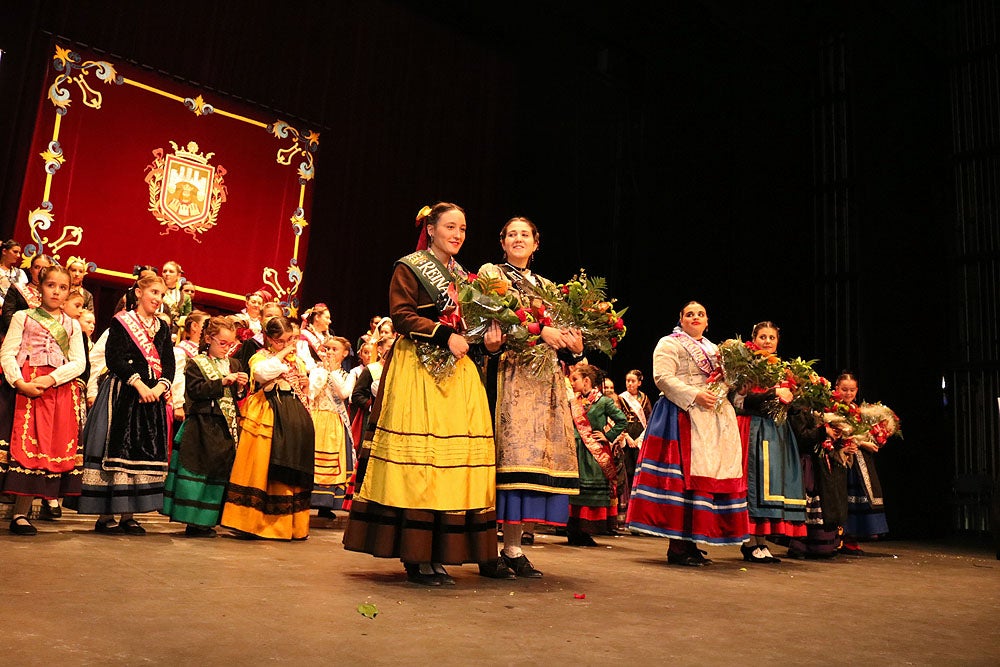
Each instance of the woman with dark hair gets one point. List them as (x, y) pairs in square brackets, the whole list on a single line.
[(690, 484), (537, 469), (637, 408), (10, 267), (24, 295), (313, 334), (272, 478), (125, 439), (426, 481), (776, 501)]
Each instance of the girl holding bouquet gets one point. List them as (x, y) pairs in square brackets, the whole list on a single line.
[(426, 481), (775, 497), (865, 504), (690, 484), (536, 451), (272, 477)]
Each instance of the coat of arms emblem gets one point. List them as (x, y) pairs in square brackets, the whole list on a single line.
[(185, 191)]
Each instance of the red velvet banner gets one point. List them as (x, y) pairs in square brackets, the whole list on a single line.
[(129, 167)]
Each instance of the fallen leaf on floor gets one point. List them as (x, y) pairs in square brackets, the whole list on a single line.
[(368, 610), (743, 569)]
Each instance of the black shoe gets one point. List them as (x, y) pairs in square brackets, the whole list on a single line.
[(685, 559), (326, 513), (108, 527), (132, 527), (22, 528), (414, 576), (528, 538), (198, 531), (795, 554), (49, 513), (581, 540), (699, 555), (750, 557), (496, 569), (443, 576), (521, 566)]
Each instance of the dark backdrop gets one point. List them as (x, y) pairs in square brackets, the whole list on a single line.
[(671, 147)]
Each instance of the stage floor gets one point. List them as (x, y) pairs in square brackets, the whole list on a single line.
[(71, 596)]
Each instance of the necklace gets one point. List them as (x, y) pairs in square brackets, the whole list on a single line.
[(519, 269)]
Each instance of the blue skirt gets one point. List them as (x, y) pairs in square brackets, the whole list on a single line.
[(521, 506)]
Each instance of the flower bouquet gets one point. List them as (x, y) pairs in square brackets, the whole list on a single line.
[(869, 425), (589, 310)]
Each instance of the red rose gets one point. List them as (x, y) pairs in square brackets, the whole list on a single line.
[(534, 328), (521, 314), (565, 290), (614, 343), (619, 324), (473, 276), (532, 343)]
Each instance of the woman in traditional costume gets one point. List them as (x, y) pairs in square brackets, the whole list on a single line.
[(41, 356), (272, 477), (175, 303), (125, 440), (24, 295), (330, 387), (776, 501), (10, 267), (637, 408), (200, 466), (865, 503), (595, 510), (428, 491), (689, 484), (537, 468), (313, 334)]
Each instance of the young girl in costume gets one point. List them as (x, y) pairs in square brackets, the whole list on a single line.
[(175, 303), (427, 494), (776, 500), (24, 295), (595, 510), (185, 349), (272, 478), (330, 387), (214, 384), (865, 504), (41, 356), (125, 450)]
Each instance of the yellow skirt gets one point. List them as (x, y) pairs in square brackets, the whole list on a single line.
[(433, 445), (332, 463), (254, 504)]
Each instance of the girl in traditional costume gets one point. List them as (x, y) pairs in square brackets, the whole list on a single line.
[(865, 503), (595, 509), (537, 467), (187, 348), (330, 387), (41, 356), (312, 336), (689, 484), (776, 501), (200, 467), (428, 491), (10, 267), (637, 408), (272, 478), (125, 450)]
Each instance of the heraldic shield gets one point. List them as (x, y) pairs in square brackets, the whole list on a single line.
[(186, 193)]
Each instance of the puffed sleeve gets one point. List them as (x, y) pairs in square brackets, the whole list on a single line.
[(412, 309), (11, 346), (666, 362)]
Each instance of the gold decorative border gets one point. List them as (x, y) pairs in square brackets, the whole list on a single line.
[(74, 71)]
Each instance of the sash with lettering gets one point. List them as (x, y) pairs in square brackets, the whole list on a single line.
[(54, 327), (705, 362), (439, 281), (140, 336)]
